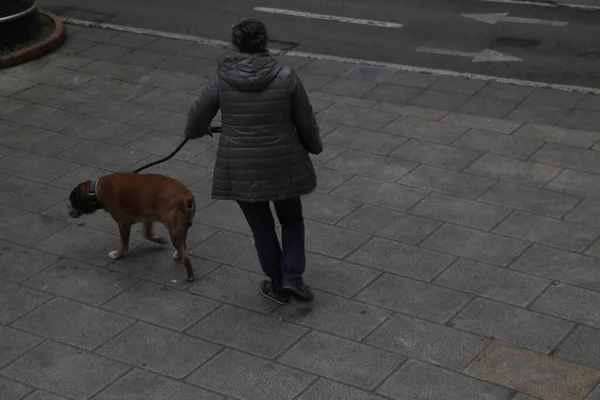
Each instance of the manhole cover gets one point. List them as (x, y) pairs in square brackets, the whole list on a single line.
[(517, 42)]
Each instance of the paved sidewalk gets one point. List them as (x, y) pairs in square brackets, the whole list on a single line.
[(453, 240)]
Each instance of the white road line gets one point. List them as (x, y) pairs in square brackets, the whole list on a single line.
[(486, 55), (381, 24), (372, 63), (494, 18), (546, 4)]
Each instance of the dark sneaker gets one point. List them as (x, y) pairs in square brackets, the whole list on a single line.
[(266, 289), (300, 291)]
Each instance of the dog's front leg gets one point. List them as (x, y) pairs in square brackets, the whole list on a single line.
[(124, 231), (149, 235)]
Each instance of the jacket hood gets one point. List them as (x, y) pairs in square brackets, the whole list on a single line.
[(248, 72)]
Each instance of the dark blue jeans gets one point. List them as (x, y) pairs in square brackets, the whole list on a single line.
[(284, 264)]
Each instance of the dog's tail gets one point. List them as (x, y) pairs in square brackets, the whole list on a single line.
[(190, 209)]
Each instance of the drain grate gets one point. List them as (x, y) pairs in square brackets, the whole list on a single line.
[(517, 42)]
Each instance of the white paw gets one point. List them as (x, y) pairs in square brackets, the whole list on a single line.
[(114, 254), (175, 255)]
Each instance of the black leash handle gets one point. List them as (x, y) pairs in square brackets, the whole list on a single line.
[(162, 160)]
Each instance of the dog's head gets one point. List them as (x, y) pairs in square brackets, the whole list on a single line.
[(80, 201)]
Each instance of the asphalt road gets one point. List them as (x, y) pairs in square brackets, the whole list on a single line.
[(558, 54)]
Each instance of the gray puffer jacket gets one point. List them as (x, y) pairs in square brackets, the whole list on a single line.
[(269, 128)]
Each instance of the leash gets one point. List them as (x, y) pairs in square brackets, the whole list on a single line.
[(162, 160)]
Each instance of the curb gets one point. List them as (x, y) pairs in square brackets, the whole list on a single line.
[(38, 49)]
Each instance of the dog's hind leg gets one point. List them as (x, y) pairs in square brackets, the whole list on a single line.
[(178, 234), (124, 232), (149, 234)]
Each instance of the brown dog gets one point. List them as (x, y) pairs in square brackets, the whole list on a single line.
[(132, 198)]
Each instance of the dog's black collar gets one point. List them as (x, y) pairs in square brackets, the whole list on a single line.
[(92, 196)]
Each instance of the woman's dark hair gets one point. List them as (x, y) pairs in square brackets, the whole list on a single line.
[(250, 36)]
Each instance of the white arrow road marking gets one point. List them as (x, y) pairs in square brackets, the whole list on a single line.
[(482, 56), (494, 18), (380, 24)]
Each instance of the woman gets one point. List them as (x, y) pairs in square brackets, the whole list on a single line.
[(269, 128)]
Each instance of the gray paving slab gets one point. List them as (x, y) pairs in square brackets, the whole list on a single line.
[(557, 134), (14, 344), (492, 282), (577, 183), (372, 165), (516, 171), (21, 227), (10, 86), (249, 377), (495, 108), (427, 341), (586, 120), (587, 212), (348, 87), (357, 116), (419, 299), (401, 259), (326, 389), (65, 370), (326, 208), (409, 110), (450, 182), (570, 303), (46, 117), (52, 96), (568, 157), (144, 385), (416, 378), (159, 350), (550, 231), (512, 324), (438, 155), (439, 100), (10, 390), (482, 123), (540, 113), (363, 139), (581, 347), (392, 93), (417, 128), (342, 360), (332, 241), (497, 143), (337, 315), (409, 228)]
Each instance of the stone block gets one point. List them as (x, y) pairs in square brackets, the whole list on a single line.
[(230, 248), (332, 241), (40, 141), (516, 171), (418, 299), (159, 350), (329, 179), (81, 282), (439, 100), (234, 286), (476, 245), (533, 200), (118, 70), (587, 212), (324, 208), (161, 120), (45, 117), (166, 99), (103, 51), (497, 143), (335, 276), (25, 195), (223, 214), (416, 378), (413, 79), (512, 324), (533, 373), (540, 113), (401, 259), (10, 390), (342, 360), (113, 110), (504, 91), (102, 155), (372, 165), (25, 228), (143, 385), (364, 140), (569, 157), (581, 347), (83, 244), (576, 183), (570, 303), (411, 111), (438, 155), (433, 343), (369, 219), (19, 263), (492, 282), (557, 134), (458, 211), (357, 116), (409, 229), (52, 96), (172, 80), (554, 97), (144, 58), (249, 377), (264, 336), (544, 230), (392, 93), (114, 89), (10, 86), (422, 129), (326, 389), (73, 323), (483, 123), (19, 300), (348, 87), (459, 85), (64, 370), (336, 315), (450, 182), (56, 76), (486, 107), (379, 193), (14, 344), (107, 132)]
